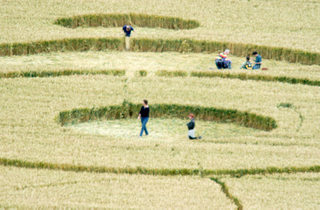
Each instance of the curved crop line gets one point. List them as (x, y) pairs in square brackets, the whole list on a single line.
[(57, 184), (300, 117), (158, 45), (280, 144), (291, 106), (163, 73), (241, 76), (177, 73), (116, 20), (158, 171), (225, 190), (45, 185), (266, 78), (129, 110), (15, 74)]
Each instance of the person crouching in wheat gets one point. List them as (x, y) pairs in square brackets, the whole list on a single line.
[(127, 32)]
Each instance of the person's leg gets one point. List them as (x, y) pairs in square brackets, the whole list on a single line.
[(191, 134), (229, 64), (142, 126), (145, 125), (225, 64), (127, 40), (218, 64), (256, 67)]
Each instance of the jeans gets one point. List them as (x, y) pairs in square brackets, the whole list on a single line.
[(256, 66), (227, 64), (144, 121)]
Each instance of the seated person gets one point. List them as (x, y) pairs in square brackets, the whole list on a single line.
[(247, 64), (222, 61), (258, 61)]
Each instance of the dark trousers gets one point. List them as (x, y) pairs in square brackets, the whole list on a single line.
[(256, 66)]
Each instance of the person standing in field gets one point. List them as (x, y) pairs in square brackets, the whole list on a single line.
[(222, 61), (144, 116), (127, 29), (258, 61), (191, 125)]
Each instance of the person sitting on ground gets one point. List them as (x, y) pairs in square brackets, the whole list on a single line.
[(222, 61), (144, 116), (191, 125), (258, 61), (127, 30), (247, 64)]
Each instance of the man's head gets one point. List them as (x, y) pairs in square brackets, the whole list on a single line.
[(248, 58), (145, 102), (255, 53), (128, 28), (191, 116), (227, 51)]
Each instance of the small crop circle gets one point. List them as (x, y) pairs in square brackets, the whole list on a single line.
[(116, 20)]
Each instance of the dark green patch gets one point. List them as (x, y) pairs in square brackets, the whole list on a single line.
[(285, 105), (142, 73)]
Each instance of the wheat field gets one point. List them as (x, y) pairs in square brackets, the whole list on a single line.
[(104, 164), (292, 24)]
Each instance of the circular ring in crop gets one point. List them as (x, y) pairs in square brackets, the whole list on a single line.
[(116, 20), (129, 110)]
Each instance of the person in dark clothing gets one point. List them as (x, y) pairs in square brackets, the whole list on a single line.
[(127, 33), (191, 125), (144, 116), (222, 61), (127, 30), (258, 61)]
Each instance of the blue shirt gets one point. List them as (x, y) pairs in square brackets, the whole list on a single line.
[(128, 33), (258, 60)]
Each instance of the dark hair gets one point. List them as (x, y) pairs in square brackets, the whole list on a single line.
[(145, 102), (255, 53), (248, 58)]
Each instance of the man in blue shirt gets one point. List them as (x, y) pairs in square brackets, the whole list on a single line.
[(258, 61), (127, 30)]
